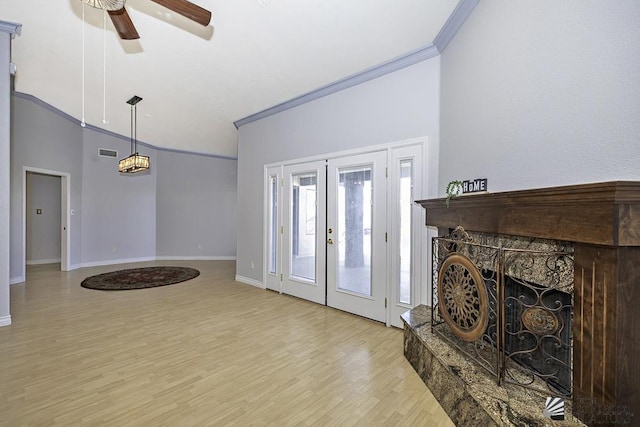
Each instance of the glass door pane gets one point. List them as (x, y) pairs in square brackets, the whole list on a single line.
[(406, 185), (303, 226), (273, 223), (354, 230)]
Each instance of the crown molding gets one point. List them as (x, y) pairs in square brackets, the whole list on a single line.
[(11, 28), (380, 70), (454, 23), (459, 15), (88, 126)]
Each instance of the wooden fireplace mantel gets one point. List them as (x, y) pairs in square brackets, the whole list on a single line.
[(603, 222), (601, 214)]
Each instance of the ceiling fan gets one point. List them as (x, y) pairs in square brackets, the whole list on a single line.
[(124, 26)]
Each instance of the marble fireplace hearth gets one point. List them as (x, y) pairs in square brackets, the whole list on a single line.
[(468, 393)]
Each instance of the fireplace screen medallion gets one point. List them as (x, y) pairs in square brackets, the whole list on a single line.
[(463, 297)]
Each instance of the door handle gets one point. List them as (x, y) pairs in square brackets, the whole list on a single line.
[(330, 242)]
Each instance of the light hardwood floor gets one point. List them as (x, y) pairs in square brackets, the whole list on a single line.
[(210, 351)]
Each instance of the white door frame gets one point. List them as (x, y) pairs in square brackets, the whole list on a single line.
[(65, 232)]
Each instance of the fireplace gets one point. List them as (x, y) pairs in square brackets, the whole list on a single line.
[(601, 222), (507, 303)]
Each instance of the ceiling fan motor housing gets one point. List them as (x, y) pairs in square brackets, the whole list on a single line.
[(106, 4)]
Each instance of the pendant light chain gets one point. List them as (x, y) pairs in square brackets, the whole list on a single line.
[(132, 132), (104, 67), (82, 122)]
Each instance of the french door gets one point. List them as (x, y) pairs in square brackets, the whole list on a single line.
[(342, 232), (356, 234)]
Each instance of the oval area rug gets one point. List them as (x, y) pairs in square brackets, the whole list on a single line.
[(139, 278)]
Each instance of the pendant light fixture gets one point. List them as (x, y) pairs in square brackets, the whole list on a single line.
[(135, 162)]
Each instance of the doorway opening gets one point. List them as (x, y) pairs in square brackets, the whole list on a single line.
[(46, 218)]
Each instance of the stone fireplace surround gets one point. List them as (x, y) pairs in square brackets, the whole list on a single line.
[(602, 221)]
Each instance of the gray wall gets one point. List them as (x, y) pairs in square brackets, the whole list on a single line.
[(196, 206), (115, 215), (42, 139), (5, 85), (395, 107), (44, 229), (118, 210), (542, 93)]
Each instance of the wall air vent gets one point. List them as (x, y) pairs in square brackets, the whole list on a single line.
[(104, 152)]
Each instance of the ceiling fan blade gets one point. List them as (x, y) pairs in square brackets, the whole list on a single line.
[(124, 26), (187, 9)]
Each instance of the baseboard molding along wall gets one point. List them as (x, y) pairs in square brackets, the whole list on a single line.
[(5, 321), (251, 282), (153, 258), (21, 279), (111, 262), (195, 258), (42, 261)]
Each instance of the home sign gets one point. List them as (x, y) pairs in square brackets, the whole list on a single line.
[(474, 186)]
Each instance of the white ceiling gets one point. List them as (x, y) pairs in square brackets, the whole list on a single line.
[(197, 81)]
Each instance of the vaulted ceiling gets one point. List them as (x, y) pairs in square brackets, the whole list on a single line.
[(196, 81)]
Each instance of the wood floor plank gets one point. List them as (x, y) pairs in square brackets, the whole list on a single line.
[(210, 351)]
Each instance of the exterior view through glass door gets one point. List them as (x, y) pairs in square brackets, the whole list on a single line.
[(356, 234)]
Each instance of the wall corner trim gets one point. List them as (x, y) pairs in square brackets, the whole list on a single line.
[(454, 23), (251, 282), (395, 64), (15, 30)]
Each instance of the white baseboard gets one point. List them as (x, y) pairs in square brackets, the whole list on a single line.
[(16, 280), (42, 261), (111, 262), (5, 321), (195, 258), (249, 281), (153, 258)]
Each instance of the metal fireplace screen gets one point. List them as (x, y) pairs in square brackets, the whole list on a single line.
[(508, 309)]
